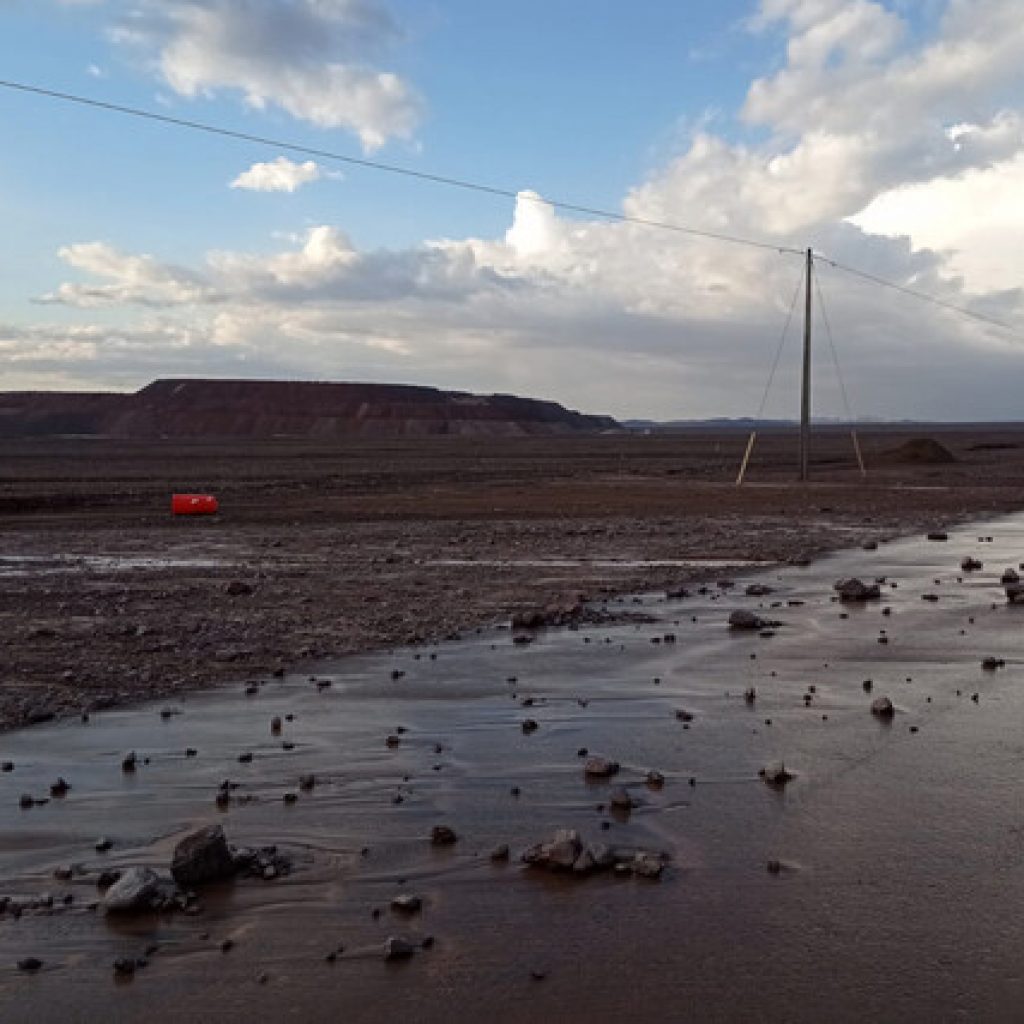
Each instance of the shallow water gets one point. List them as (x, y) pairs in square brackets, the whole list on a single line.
[(903, 851)]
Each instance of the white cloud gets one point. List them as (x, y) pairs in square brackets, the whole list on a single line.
[(891, 165), (280, 175), (310, 58)]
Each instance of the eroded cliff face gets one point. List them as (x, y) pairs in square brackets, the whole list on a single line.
[(304, 409)]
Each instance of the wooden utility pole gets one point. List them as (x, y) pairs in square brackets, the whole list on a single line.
[(805, 389)]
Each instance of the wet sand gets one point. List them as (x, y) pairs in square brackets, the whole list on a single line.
[(899, 842), (325, 549)]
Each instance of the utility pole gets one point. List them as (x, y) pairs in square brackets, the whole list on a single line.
[(805, 390)]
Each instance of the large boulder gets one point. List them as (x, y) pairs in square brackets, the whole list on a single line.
[(132, 892), (202, 857)]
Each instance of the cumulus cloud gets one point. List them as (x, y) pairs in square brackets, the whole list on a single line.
[(619, 317), (280, 175), (309, 58)]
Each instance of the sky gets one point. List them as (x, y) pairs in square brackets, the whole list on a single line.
[(886, 134)]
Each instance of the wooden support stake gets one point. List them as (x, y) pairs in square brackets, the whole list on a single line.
[(856, 448), (746, 457)]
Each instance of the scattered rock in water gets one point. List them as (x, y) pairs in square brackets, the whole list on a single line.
[(201, 857), (129, 761), (1014, 593), (750, 695), (655, 779), (104, 844), (124, 966), (882, 707), (684, 716), (406, 903), (134, 891), (1009, 576), (759, 590), (26, 800), (30, 964), (566, 852), (239, 588), (501, 853), (938, 535), (870, 545), (530, 725), (275, 726), (854, 590), (307, 782), (990, 664), (620, 800), (397, 948), (443, 835), (970, 564), (776, 774), (743, 618), (600, 768)]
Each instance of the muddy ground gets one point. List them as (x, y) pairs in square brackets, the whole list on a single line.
[(322, 550)]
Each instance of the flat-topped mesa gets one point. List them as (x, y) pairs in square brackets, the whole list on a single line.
[(316, 410)]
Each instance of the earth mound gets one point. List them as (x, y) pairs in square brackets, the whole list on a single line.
[(921, 450)]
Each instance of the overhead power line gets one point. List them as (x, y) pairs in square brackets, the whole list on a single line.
[(376, 165), (493, 190), (923, 296)]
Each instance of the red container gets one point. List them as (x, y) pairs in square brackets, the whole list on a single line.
[(193, 504)]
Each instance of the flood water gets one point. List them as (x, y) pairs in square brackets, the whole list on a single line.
[(902, 842)]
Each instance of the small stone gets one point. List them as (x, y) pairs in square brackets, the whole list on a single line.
[(132, 892), (655, 779), (500, 853), (124, 967), (406, 903), (530, 725), (30, 964), (307, 782), (129, 761), (396, 948), (775, 774), (103, 845), (600, 767), (882, 707), (442, 835)]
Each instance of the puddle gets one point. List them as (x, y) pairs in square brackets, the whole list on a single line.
[(599, 563), (47, 565), (900, 840)]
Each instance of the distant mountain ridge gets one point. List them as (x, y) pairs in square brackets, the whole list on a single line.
[(206, 408)]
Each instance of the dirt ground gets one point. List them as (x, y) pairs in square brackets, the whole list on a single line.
[(320, 550)]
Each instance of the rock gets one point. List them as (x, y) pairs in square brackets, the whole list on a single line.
[(882, 707), (500, 853), (406, 903), (742, 618), (26, 800), (938, 535), (1009, 576), (202, 857), (564, 849), (442, 835), (655, 779), (600, 768), (853, 590), (124, 966), (684, 716), (750, 695), (238, 588), (275, 726), (647, 865), (621, 800), (397, 948), (775, 774), (971, 564), (59, 788), (133, 891), (759, 590), (990, 664), (530, 725), (104, 844), (129, 761), (30, 964), (1014, 593)]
